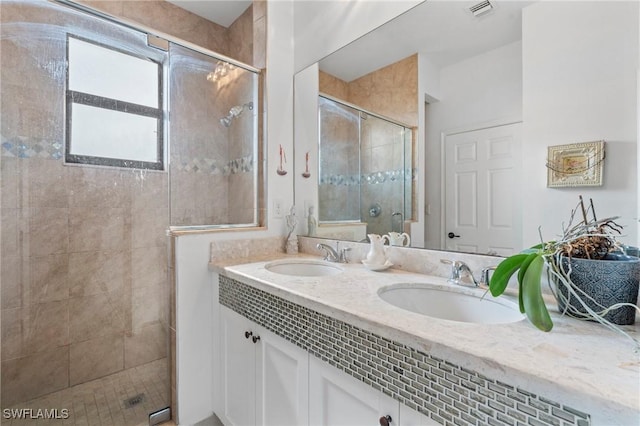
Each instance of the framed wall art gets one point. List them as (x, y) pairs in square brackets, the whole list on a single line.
[(578, 164)]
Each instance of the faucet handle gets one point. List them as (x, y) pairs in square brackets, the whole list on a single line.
[(343, 254), (485, 277), (455, 269)]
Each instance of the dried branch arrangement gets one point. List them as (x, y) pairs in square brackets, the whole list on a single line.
[(590, 238)]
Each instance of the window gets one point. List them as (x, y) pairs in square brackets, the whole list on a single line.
[(114, 108)]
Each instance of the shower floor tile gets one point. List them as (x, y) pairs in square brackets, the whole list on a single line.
[(101, 402)]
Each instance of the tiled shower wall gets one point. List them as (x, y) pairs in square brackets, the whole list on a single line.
[(395, 96), (339, 189), (211, 160), (84, 285)]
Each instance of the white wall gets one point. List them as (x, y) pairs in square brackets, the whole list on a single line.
[(322, 27), (580, 72), (306, 90), (479, 91)]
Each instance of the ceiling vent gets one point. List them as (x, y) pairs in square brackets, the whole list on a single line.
[(481, 8)]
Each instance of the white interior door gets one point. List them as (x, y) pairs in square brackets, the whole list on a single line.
[(482, 198)]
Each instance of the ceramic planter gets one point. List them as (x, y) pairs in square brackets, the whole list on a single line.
[(610, 281)]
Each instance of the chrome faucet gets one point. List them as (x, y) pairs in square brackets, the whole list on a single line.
[(331, 254), (458, 270), (486, 276)]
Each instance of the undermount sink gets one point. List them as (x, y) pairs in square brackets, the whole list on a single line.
[(461, 305), (303, 267)]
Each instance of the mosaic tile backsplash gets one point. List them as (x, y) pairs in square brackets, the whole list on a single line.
[(447, 393)]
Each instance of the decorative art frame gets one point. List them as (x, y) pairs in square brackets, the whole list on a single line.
[(578, 164)]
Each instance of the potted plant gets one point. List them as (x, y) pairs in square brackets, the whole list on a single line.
[(594, 278)]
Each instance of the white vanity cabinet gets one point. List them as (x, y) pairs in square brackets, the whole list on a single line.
[(264, 377), (335, 398)]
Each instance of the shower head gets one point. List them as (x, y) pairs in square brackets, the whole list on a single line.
[(226, 121), (235, 112)]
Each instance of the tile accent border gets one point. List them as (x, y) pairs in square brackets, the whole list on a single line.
[(372, 178), (445, 392)]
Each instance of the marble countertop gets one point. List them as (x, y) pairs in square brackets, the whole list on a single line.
[(581, 364)]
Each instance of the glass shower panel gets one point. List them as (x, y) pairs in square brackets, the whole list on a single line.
[(84, 283), (366, 168), (339, 186), (382, 189), (214, 123)]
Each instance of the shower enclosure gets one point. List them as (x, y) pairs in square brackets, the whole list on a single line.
[(108, 138), (365, 168)]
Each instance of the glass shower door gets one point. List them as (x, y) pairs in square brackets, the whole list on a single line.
[(85, 300)]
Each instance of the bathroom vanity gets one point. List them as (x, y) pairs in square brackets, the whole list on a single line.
[(327, 349)]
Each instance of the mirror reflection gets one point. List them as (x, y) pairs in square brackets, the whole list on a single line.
[(365, 170), (486, 96)]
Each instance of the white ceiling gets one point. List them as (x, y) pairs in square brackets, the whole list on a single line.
[(222, 12), (445, 31)]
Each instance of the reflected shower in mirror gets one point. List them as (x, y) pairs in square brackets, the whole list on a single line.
[(365, 170)]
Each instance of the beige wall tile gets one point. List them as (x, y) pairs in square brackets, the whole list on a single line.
[(240, 35), (35, 375), (148, 306), (149, 191), (11, 333), (178, 22), (45, 326), (114, 7), (48, 231), (9, 184), (92, 229), (259, 40), (98, 272), (99, 187), (97, 315), (49, 279), (11, 280), (145, 345), (149, 227), (47, 184), (95, 358), (149, 267)]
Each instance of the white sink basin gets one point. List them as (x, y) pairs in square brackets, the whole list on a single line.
[(303, 267), (462, 305)]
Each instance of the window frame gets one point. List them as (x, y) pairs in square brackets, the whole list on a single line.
[(81, 98)]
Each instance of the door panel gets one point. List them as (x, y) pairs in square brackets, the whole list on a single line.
[(482, 201), (238, 370), (337, 399), (282, 396)]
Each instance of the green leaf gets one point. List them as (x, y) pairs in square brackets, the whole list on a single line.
[(532, 299), (525, 265), (521, 273), (520, 299), (504, 271)]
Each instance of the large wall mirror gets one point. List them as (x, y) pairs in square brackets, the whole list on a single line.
[(484, 94)]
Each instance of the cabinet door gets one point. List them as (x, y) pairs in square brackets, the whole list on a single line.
[(282, 390), (238, 369), (335, 399), (411, 417)]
